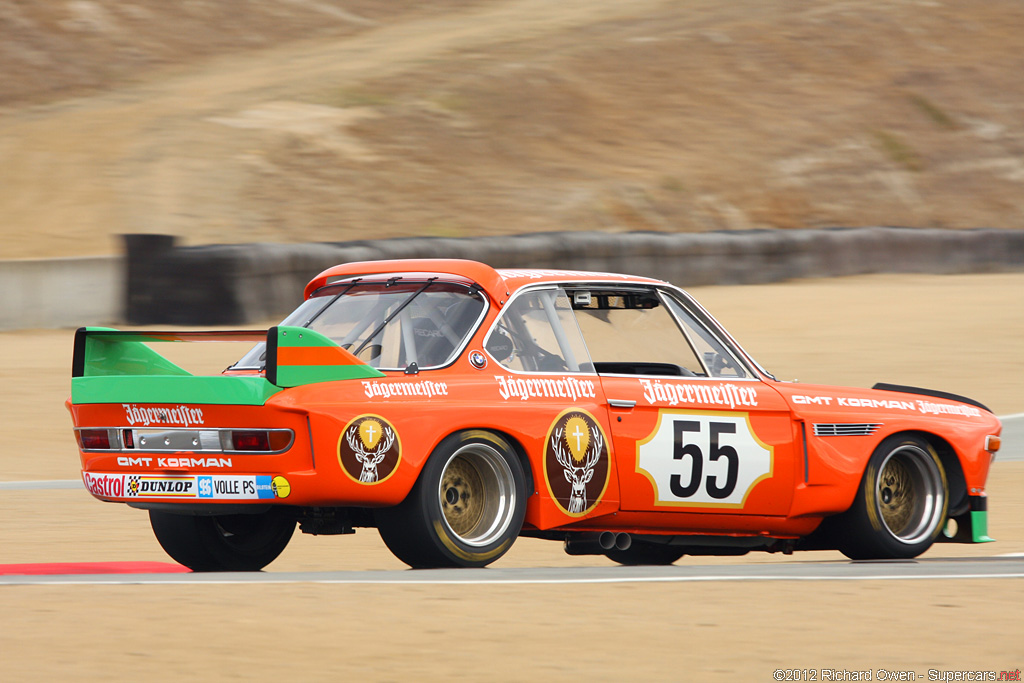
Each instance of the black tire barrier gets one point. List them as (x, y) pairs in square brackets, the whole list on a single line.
[(237, 284)]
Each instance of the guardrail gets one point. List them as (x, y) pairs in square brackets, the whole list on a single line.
[(158, 282)]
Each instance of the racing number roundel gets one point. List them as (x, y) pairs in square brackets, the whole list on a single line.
[(576, 462), (703, 459), (369, 449)]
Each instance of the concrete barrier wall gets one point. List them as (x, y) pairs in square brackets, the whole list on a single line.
[(236, 284), (66, 292)]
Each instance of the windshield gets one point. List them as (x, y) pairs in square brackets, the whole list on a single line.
[(389, 325), (644, 331)]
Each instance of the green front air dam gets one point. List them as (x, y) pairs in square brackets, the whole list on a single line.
[(979, 527)]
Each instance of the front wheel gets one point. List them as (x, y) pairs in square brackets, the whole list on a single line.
[(237, 543), (465, 510), (900, 506)]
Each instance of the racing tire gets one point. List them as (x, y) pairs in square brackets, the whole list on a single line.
[(641, 553), (901, 504), (225, 543), (466, 508)]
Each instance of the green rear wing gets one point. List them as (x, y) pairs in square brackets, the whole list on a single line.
[(114, 366)]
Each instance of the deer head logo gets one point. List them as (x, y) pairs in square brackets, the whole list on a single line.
[(577, 445), (369, 440)]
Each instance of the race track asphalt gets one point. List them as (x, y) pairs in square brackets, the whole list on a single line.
[(1000, 567)]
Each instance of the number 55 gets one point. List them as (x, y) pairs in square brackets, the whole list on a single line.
[(681, 451)]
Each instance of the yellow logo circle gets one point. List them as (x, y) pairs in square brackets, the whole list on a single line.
[(370, 432), (577, 437), (281, 487)]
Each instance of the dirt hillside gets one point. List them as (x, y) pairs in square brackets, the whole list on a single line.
[(326, 120)]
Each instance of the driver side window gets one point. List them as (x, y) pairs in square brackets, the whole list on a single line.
[(537, 332)]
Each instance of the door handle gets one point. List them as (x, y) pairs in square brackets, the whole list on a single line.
[(621, 403)]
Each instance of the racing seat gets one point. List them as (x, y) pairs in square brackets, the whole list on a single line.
[(432, 346)]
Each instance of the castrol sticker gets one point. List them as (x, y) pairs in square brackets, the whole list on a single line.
[(104, 485)]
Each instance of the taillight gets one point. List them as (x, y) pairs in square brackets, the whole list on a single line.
[(257, 440), (180, 440), (250, 441), (280, 440), (94, 439)]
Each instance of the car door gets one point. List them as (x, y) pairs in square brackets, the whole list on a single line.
[(552, 403), (694, 428)]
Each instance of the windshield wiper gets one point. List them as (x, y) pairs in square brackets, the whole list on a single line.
[(391, 317), (331, 302)]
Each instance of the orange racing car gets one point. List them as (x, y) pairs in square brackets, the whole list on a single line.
[(455, 407)]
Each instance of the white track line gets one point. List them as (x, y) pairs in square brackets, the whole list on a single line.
[(49, 484)]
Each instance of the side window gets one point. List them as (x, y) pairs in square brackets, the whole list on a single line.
[(537, 332)]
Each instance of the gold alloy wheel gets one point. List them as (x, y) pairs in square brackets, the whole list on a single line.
[(463, 496), (896, 496), (477, 494), (910, 494)]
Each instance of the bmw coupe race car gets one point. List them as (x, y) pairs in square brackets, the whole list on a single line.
[(455, 407)]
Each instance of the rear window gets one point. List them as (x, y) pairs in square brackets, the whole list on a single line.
[(390, 325)]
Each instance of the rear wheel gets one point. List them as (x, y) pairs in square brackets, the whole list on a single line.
[(223, 542), (465, 510), (900, 506)]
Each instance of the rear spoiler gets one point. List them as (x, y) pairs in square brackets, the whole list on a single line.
[(299, 355), (102, 351), (295, 355)]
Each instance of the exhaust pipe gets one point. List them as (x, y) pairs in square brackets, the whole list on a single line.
[(596, 542)]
